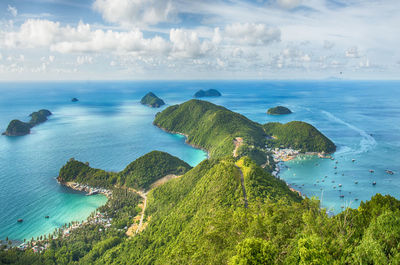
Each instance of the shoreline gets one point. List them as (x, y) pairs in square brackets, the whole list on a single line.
[(186, 140), (86, 188), (287, 154)]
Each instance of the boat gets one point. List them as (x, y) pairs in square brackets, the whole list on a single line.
[(337, 162), (341, 196), (335, 173), (47, 217), (326, 176), (356, 199), (340, 185), (355, 182), (323, 180), (335, 167), (371, 171), (353, 160), (374, 183), (20, 220), (334, 187), (389, 172)]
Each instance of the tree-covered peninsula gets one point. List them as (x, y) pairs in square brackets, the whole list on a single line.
[(20, 128), (279, 110), (207, 93), (138, 175), (151, 100), (215, 129)]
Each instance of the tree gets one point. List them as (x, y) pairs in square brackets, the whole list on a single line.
[(254, 251)]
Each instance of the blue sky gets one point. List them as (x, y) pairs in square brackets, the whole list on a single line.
[(186, 39)]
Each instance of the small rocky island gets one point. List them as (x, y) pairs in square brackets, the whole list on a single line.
[(207, 93), (20, 128), (74, 100), (151, 100), (279, 110)]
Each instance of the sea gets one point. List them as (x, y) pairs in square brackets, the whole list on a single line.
[(109, 128)]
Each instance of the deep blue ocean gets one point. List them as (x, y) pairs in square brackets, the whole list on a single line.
[(109, 128)]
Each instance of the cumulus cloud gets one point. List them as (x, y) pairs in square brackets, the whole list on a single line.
[(135, 12), (13, 11), (252, 34), (188, 44)]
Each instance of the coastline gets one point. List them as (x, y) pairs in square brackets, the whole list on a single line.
[(86, 188), (287, 154), (186, 140)]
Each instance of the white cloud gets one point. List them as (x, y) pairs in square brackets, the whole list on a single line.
[(12, 10), (187, 44), (252, 34), (352, 52), (135, 12), (289, 4), (84, 60)]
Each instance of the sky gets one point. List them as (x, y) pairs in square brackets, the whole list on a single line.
[(199, 39)]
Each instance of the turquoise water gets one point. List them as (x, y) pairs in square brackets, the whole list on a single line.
[(109, 128)]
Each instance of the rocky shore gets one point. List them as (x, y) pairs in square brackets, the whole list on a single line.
[(86, 188)]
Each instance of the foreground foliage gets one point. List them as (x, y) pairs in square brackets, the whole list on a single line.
[(202, 218)]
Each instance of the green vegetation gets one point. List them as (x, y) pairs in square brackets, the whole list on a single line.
[(17, 128), (39, 117), (201, 218), (214, 128), (207, 93), (278, 110), (152, 100), (139, 174), (87, 242), (298, 135)]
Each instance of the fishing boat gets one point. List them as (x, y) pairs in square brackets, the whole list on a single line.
[(389, 172), (374, 183)]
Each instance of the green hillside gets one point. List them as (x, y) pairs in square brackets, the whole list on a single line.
[(145, 170), (215, 128), (139, 174), (211, 127), (204, 217), (298, 135)]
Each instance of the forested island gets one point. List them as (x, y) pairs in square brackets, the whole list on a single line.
[(151, 100), (19, 128), (279, 110), (228, 209), (207, 93)]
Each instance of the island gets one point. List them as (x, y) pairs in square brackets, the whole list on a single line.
[(39, 117), (20, 128), (279, 110), (17, 128), (151, 100), (207, 93), (74, 100)]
